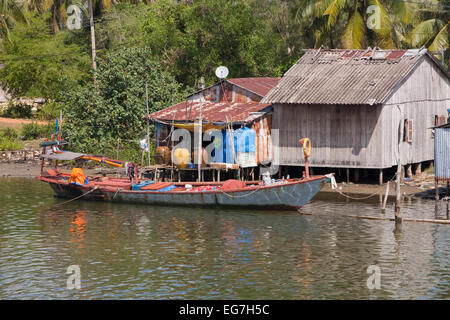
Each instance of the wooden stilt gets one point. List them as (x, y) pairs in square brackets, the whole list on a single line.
[(383, 209), (418, 168), (365, 173), (356, 175), (380, 177), (347, 175), (436, 189), (448, 189), (409, 171)]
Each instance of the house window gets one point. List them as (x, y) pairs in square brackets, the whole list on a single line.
[(439, 120), (408, 132)]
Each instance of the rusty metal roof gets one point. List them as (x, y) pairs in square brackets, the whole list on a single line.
[(216, 109), (261, 85), (211, 111), (345, 76)]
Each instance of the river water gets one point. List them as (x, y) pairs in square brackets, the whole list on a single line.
[(141, 252)]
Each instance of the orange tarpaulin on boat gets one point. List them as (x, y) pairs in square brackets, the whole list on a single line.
[(233, 184), (77, 176)]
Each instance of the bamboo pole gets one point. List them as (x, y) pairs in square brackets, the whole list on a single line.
[(199, 150), (148, 123)]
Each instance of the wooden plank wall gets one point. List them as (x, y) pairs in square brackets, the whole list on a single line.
[(262, 128), (422, 97), (341, 135), (350, 136)]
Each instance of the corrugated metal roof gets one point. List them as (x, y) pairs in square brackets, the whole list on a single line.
[(217, 111), (344, 76), (261, 85), (211, 111)]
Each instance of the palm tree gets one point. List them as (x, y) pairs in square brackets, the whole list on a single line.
[(432, 32), (358, 23), (10, 13)]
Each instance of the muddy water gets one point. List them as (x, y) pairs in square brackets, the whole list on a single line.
[(142, 252)]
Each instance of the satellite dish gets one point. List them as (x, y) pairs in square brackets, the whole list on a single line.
[(222, 72)]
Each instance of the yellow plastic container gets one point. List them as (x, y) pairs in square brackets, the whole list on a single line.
[(181, 157)]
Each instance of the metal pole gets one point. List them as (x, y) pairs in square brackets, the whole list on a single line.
[(148, 124)]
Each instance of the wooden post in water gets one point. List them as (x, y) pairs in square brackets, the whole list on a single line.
[(398, 199), (383, 209)]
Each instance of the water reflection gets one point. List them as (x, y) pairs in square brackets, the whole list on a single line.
[(127, 251)]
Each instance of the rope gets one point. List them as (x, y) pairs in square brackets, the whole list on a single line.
[(115, 194), (241, 196), (59, 204), (355, 198), (334, 187)]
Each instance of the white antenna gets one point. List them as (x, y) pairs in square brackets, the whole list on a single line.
[(222, 72)]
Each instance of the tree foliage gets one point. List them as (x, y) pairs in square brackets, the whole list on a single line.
[(97, 114), (191, 40), (40, 64)]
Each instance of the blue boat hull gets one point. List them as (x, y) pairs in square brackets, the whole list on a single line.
[(283, 196)]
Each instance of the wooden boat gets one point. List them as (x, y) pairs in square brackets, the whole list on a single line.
[(283, 194)]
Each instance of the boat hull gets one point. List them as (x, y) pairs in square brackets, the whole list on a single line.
[(284, 196)]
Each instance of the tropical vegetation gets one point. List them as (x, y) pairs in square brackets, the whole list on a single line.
[(171, 44)]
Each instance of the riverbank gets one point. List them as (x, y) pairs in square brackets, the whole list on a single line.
[(421, 186), (31, 170)]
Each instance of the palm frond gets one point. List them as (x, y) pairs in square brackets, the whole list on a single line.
[(354, 31), (424, 32), (405, 11), (440, 41), (334, 10)]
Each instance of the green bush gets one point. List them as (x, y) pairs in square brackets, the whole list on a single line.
[(18, 111), (9, 133), (33, 131), (97, 114), (9, 144), (49, 111)]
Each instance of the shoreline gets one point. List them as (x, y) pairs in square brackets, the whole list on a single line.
[(421, 186)]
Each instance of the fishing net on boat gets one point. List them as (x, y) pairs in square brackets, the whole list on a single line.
[(233, 184)]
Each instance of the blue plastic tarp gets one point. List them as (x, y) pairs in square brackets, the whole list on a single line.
[(138, 186), (245, 140)]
